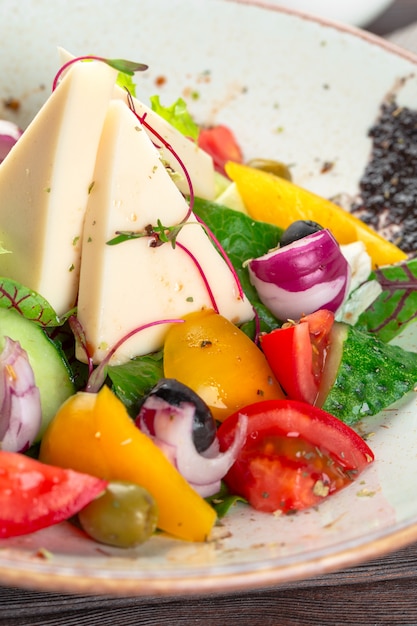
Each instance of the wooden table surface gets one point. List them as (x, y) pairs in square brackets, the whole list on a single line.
[(383, 591)]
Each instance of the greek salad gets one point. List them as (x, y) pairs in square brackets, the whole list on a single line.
[(181, 330)]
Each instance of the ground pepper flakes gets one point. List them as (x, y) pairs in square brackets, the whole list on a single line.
[(388, 188)]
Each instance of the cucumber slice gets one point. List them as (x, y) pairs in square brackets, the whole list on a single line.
[(371, 376), (51, 371)]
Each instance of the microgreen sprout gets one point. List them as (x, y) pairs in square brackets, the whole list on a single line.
[(97, 377), (160, 234), (202, 274), (163, 234), (167, 146), (81, 339), (121, 65)]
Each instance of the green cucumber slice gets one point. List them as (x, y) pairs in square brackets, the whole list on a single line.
[(371, 376), (51, 371)]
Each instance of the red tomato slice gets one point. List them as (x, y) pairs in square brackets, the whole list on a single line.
[(221, 144), (34, 495), (295, 455), (296, 354)]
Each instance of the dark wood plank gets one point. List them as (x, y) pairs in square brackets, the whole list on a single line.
[(380, 592), (383, 602), (399, 15)]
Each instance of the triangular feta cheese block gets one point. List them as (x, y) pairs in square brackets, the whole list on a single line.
[(132, 284), (44, 185), (199, 163)]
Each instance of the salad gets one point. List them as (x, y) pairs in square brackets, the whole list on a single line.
[(180, 330)]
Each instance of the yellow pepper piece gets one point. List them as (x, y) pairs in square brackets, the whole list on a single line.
[(93, 433), (278, 201), (212, 356)]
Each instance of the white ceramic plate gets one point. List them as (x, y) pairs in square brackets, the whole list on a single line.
[(291, 88)]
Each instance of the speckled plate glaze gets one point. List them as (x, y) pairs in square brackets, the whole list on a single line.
[(293, 88)]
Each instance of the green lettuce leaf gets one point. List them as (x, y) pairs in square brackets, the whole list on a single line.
[(396, 307), (242, 238), (223, 500), (177, 115), (125, 81), (133, 380)]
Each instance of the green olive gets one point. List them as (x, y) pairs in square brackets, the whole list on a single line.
[(124, 515), (273, 167)]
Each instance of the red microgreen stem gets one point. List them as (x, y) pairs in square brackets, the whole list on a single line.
[(97, 377), (81, 339), (202, 274), (142, 120), (224, 255), (257, 326), (127, 67)]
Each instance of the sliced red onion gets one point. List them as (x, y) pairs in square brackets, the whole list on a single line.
[(302, 277), (20, 404), (9, 134), (172, 433)]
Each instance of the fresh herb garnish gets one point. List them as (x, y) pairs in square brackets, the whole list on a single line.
[(178, 116), (223, 500), (396, 306), (121, 65), (159, 234), (126, 82), (98, 376), (27, 302), (134, 379)]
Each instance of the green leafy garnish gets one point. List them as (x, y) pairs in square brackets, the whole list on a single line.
[(121, 65), (160, 234), (223, 500), (27, 302), (396, 306), (126, 67), (133, 380), (125, 82), (242, 238), (177, 115)]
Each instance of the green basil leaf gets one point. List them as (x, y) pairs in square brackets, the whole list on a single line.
[(134, 379)]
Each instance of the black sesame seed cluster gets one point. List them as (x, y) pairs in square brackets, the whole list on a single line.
[(388, 188)]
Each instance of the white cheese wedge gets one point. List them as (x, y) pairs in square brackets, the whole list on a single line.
[(198, 163), (130, 285), (44, 185)]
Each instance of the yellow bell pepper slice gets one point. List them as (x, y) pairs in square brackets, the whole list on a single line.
[(93, 433), (269, 198)]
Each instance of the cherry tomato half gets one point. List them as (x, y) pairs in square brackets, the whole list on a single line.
[(220, 142), (295, 455), (297, 352)]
